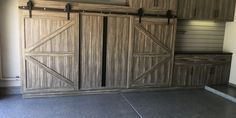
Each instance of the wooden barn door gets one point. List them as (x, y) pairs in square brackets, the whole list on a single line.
[(104, 51), (49, 50), (152, 52)]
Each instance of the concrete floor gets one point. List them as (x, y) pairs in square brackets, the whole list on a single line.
[(161, 104), (226, 89)]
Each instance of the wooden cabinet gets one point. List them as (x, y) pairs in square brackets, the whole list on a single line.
[(152, 52), (154, 4), (222, 10), (201, 69), (226, 10), (94, 52)]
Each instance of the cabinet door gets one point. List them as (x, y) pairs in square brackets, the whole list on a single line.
[(49, 52), (186, 9), (218, 74), (205, 9), (187, 75), (226, 9), (154, 4), (152, 52), (118, 38), (196, 9), (91, 42), (182, 75), (103, 68)]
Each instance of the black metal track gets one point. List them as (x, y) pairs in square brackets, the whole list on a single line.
[(91, 11), (104, 51)]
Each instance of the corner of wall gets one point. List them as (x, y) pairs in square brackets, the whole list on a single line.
[(230, 46)]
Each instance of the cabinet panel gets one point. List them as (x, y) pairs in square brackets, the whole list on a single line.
[(152, 52), (186, 9), (154, 4), (226, 9), (199, 70), (49, 57), (186, 75), (117, 51), (206, 9), (218, 74), (91, 40), (92, 51)]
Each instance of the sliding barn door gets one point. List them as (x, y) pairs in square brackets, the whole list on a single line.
[(152, 52), (49, 52), (104, 51), (91, 51)]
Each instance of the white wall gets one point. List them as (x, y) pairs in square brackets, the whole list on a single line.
[(9, 36), (230, 46)]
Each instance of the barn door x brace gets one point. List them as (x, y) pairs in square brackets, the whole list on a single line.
[(68, 9)]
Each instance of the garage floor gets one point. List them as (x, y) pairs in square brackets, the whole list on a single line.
[(160, 104)]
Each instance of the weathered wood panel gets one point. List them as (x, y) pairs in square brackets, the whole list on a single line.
[(186, 9), (199, 70), (98, 7), (154, 4), (91, 51), (117, 51), (47, 39), (222, 10), (218, 74), (226, 10), (153, 47)]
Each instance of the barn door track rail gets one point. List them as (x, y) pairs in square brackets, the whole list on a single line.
[(68, 9)]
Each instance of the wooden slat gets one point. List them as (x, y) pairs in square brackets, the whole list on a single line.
[(153, 38), (117, 51), (153, 68), (60, 54), (150, 55), (49, 70), (200, 35), (91, 51), (50, 36), (130, 52)]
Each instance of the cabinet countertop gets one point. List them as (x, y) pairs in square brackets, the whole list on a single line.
[(202, 53)]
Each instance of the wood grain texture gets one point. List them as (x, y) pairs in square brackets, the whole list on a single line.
[(91, 51), (49, 58), (154, 4), (226, 10), (152, 53), (186, 9), (222, 10), (200, 70), (99, 7), (117, 51)]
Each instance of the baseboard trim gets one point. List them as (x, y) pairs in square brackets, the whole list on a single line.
[(10, 83)]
